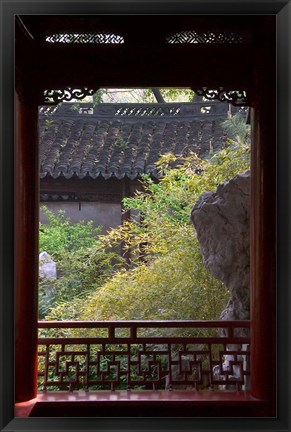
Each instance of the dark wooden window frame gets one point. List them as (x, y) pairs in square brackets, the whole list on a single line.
[(263, 268)]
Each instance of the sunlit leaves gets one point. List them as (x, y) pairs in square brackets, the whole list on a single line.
[(165, 278)]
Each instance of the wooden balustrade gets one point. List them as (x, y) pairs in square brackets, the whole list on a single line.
[(91, 355)]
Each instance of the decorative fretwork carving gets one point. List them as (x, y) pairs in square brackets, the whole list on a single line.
[(234, 97), (159, 355), (83, 38), (206, 37), (67, 94), (53, 97)]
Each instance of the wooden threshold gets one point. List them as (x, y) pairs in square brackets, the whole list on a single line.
[(121, 403)]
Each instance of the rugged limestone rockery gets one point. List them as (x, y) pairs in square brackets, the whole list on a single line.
[(221, 220)]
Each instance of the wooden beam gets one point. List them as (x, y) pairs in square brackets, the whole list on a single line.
[(52, 67)]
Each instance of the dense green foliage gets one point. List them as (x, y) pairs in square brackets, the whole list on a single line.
[(59, 235), (165, 278), (79, 269), (168, 288)]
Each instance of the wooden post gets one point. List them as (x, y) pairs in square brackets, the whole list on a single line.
[(263, 236), (26, 249)]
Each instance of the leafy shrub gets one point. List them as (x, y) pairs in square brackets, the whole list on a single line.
[(166, 278), (59, 235), (80, 268)]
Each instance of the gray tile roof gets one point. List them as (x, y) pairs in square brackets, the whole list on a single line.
[(124, 140)]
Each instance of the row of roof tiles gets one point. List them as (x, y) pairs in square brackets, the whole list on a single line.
[(118, 148)]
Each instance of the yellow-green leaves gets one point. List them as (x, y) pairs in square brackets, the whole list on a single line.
[(165, 278)]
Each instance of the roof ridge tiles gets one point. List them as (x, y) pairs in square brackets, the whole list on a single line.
[(136, 111), (123, 146)]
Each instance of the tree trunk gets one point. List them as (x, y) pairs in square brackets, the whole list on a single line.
[(158, 95)]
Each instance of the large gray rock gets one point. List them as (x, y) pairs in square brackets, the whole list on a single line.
[(222, 223), (221, 220)]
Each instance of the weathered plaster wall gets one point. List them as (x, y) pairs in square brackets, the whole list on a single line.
[(106, 215)]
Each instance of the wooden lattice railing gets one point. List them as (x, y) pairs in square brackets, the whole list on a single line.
[(143, 355)]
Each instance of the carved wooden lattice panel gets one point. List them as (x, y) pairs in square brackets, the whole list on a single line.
[(206, 37), (234, 97), (98, 38), (184, 356), (55, 96)]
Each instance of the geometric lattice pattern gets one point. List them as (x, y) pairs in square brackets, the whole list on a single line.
[(98, 38), (205, 37), (149, 110), (134, 360)]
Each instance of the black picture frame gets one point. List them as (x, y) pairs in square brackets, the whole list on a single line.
[(8, 11)]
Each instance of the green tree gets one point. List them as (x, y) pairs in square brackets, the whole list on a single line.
[(147, 95), (81, 259), (59, 235), (166, 278)]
